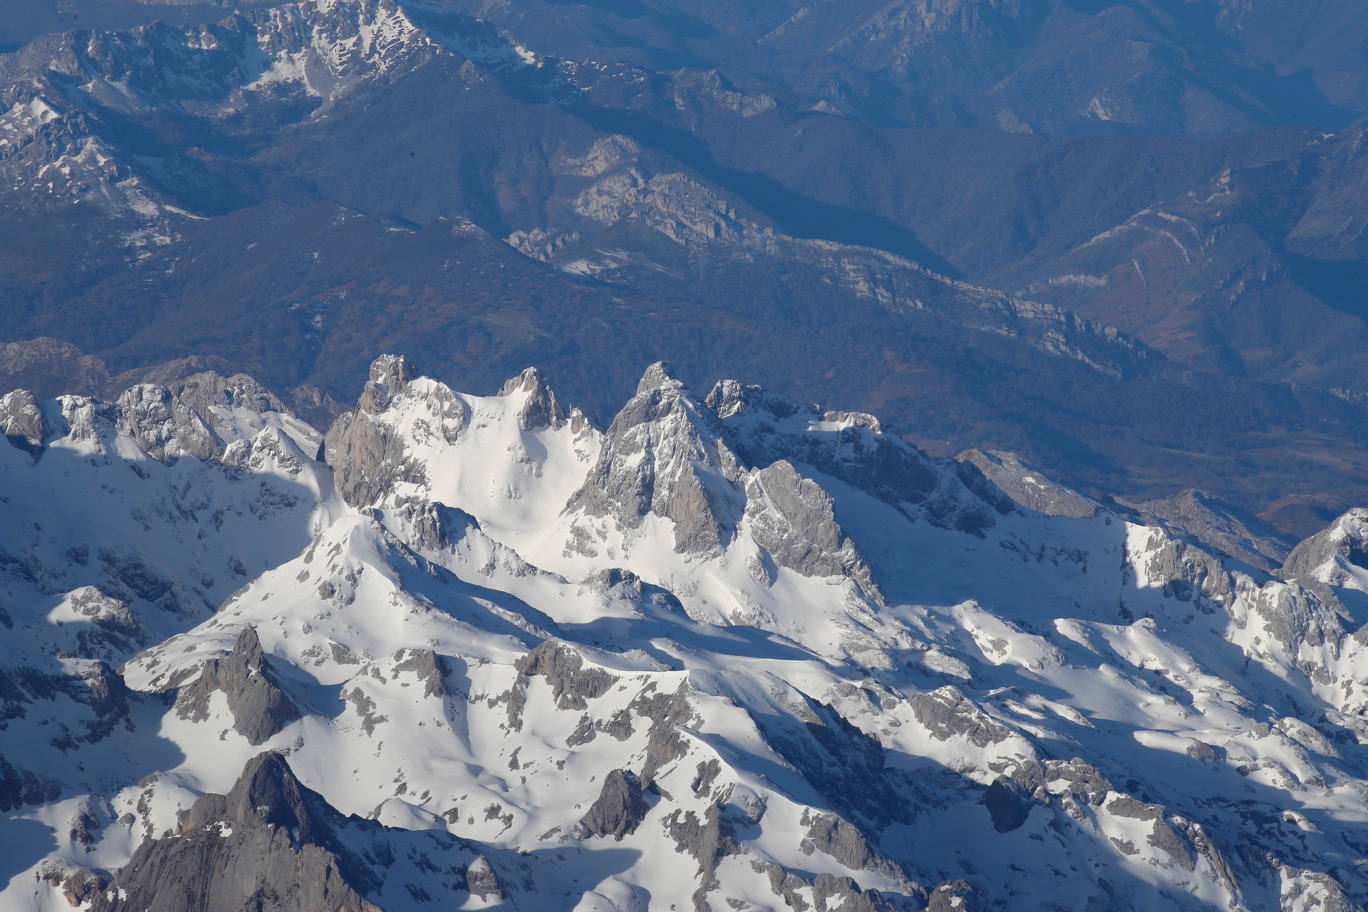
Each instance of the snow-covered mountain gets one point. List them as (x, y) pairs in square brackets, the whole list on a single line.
[(728, 653)]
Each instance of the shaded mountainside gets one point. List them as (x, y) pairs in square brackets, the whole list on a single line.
[(723, 652), (284, 188)]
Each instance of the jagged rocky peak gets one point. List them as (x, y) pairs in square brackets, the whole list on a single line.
[(665, 455), (1335, 556), (209, 390), (369, 454), (539, 409), (389, 375), (21, 420), (259, 706), (270, 844), (794, 519), (268, 791), (858, 449), (164, 427), (657, 376), (732, 397)]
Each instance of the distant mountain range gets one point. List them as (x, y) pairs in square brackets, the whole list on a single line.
[(1123, 239)]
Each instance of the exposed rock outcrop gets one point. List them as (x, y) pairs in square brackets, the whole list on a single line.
[(270, 845), (794, 519), (164, 427), (22, 422), (857, 449), (540, 408), (1008, 804), (663, 455), (369, 455), (259, 705), (1027, 486), (619, 808)]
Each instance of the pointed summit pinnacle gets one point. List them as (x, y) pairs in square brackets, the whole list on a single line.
[(541, 410), (659, 374)]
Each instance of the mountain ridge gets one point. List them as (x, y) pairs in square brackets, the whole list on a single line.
[(708, 615)]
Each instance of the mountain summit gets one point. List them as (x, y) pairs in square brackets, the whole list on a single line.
[(728, 652)]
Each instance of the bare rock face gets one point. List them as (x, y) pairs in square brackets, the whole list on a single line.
[(389, 374), (21, 421), (270, 845), (481, 879), (1219, 527), (795, 521), (260, 707), (540, 410), (208, 389), (1007, 803), (1028, 486), (859, 450), (952, 896), (369, 456), (619, 808), (164, 427), (572, 684), (664, 455), (1323, 557)]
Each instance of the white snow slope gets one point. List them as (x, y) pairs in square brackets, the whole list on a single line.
[(727, 654)]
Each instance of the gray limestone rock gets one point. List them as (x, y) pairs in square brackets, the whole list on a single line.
[(541, 410), (1008, 804), (368, 456), (1319, 560), (619, 808), (481, 879), (22, 422), (1027, 486), (1218, 527), (434, 525), (843, 763), (833, 835), (427, 666), (946, 714), (1085, 782), (953, 896), (859, 450), (389, 374), (270, 845), (164, 427), (1188, 573), (834, 893), (259, 706), (794, 519), (664, 455), (208, 390), (572, 685), (667, 712)]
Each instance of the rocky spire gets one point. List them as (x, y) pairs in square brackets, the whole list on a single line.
[(259, 706), (664, 455), (21, 421), (540, 408), (164, 427), (270, 844), (389, 374)]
